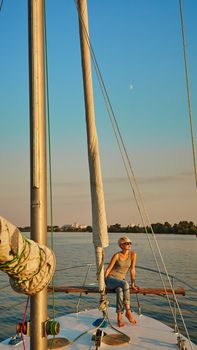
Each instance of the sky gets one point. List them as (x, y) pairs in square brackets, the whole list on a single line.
[(139, 50)]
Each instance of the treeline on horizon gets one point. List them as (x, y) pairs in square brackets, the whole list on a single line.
[(183, 227)]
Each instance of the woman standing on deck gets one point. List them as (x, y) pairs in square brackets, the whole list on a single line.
[(115, 275)]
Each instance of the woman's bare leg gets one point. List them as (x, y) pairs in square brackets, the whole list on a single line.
[(129, 314), (120, 320)]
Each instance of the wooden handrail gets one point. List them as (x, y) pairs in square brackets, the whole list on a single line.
[(92, 289)]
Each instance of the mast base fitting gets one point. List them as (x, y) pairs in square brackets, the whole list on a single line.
[(52, 327), (98, 338), (57, 343), (23, 328)]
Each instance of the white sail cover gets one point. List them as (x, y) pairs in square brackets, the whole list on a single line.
[(99, 223), (29, 264)]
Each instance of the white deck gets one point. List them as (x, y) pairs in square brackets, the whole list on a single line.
[(147, 334)]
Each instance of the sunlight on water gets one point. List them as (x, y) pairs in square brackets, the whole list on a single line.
[(76, 249)]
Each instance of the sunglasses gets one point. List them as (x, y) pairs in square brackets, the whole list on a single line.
[(126, 243)]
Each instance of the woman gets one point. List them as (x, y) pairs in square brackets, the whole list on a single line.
[(115, 275)]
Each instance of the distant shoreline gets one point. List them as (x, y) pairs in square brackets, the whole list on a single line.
[(182, 228)]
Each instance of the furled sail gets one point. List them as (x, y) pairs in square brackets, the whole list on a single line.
[(100, 236), (99, 223), (29, 265)]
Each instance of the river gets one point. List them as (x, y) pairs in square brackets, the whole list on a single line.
[(75, 250)]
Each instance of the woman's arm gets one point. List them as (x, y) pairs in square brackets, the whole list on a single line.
[(111, 265), (132, 269)]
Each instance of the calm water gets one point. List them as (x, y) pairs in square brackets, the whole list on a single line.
[(75, 249)]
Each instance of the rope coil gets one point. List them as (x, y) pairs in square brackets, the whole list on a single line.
[(29, 265)]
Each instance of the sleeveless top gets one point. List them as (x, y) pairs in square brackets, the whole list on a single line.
[(121, 268)]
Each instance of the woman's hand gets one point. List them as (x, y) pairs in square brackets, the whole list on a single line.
[(134, 287), (111, 265)]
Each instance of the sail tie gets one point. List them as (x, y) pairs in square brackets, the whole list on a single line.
[(101, 265), (103, 296)]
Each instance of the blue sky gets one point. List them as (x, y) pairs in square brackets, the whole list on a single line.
[(138, 46)]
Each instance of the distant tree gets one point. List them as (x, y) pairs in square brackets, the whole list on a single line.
[(185, 227), (114, 228), (136, 229), (56, 228), (167, 227), (158, 227)]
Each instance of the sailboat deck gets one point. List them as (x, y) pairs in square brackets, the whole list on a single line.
[(147, 334)]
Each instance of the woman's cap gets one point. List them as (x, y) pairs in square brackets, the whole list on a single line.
[(124, 239)]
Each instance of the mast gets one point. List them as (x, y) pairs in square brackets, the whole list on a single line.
[(38, 311), (99, 223)]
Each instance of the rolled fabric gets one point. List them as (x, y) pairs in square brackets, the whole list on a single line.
[(30, 265)]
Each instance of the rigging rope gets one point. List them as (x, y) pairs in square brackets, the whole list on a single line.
[(188, 92), (89, 331), (84, 282), (129, 171), (49, 152), (23, 323), (1, 5)]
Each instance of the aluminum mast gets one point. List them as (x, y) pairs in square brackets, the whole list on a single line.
[(38, 311)]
